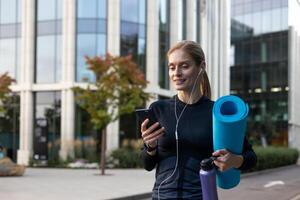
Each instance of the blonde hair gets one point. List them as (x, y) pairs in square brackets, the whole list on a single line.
[(195, 51)]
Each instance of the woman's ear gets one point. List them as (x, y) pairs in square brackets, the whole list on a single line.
[(203, 65)]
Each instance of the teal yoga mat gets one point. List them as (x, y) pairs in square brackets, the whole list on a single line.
[(229, 126)]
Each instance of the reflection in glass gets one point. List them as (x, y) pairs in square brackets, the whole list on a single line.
[(87, 140), (133, 31), (9, 37), (48, 106), (48, 60), (86, 46), (9, 126), (91, 35), (7, 56), (259, 73), (48, 41), (130, 11)]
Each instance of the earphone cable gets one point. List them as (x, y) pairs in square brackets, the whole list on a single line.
[(176, 133)]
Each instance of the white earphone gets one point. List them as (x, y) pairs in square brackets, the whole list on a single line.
[(176, 132)]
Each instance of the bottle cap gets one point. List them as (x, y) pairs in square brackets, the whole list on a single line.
[(207, 164)]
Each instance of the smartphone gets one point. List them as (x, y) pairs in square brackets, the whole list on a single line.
[(143, 114)]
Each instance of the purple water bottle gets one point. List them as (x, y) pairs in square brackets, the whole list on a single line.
[(208, 179)]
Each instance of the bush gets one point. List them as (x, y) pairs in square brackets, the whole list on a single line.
[(126, 158), (272, 157)]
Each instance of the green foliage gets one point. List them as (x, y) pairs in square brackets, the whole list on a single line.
[(272, 157), (126, 158), (118, 90)]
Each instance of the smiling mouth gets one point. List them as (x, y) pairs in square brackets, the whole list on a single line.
[(179, 82)]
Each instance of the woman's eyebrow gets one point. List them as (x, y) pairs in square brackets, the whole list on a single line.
[(181, 62)]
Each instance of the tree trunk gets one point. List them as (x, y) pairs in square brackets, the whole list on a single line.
[(103, 151)]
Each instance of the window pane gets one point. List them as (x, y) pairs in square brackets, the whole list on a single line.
[(276, 18), (102, 9), (101, 44), (48, 107), (18, 59), (58, 58), (59, 5), (87, 8), (46, 9), (45, 61), (129, 29), (142, 11), (129, 10), (7, 56), (266, 21), (86, 46), (8, 11), (19, 14)]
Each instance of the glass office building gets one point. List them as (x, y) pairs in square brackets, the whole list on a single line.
[(43, 44), (259, 66)]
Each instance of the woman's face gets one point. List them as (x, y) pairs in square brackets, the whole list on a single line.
[(183, 71)]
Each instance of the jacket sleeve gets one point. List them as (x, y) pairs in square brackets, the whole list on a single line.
[(149, 162), (249, 156)]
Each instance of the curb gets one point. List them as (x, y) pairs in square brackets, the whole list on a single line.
[(268, 170), (135, 197)]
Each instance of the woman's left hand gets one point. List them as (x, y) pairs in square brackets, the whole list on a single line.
[(226, 160)]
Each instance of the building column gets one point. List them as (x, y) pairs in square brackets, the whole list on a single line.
[(215, 40), (175, 21), (27, 77), (68, 78), (224, 50), (191, 20), (293, 75), (113, 47), (152, 53), (294, 94)]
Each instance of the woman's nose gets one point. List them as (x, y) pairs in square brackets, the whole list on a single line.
[(177, 72)]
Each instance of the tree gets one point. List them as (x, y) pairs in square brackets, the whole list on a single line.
[(5, 82), (118, 89)]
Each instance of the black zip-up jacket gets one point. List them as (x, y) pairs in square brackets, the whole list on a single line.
[(195, 143)]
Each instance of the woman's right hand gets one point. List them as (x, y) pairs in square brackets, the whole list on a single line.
[(150, 136)]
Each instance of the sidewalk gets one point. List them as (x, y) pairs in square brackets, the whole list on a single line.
[(76, 184), (126, 184)]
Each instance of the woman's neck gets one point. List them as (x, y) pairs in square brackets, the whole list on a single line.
[(185, 96)]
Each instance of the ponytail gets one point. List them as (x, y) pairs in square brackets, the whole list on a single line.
[(205, 85)]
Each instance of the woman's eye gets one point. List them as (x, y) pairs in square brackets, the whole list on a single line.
[(185, 66), (171, 68)]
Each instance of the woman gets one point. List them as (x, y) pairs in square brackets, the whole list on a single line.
[(185, 136)]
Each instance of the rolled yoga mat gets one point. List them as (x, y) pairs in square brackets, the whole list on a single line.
[(229, 126)]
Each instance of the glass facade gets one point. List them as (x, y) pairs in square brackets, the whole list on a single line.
[(10, 33), (133, 30), (87, 140), (9, 126), (164, 42), (259, 66), (48, 41), (91, 35), (47, 107), (133, 42)]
